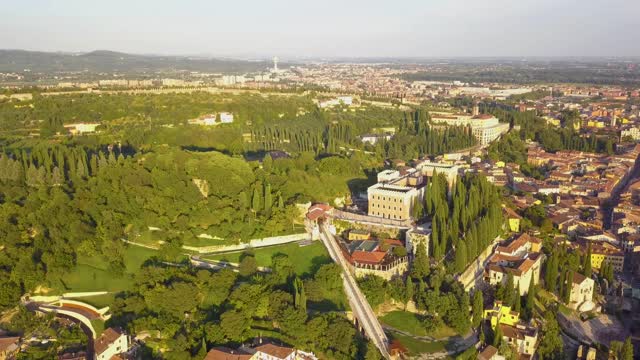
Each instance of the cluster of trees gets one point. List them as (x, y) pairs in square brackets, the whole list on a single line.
[(509, 294), (320, 132), (55, 165), (416, 137), (533, 127), (59, 203), (561, 265), (442, 297), (194, 310), (623, 350), (124, 110), (465, 218)]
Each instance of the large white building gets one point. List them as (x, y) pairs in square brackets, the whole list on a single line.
[(345, 100), (484, 127), (394, 195), (428, 168)]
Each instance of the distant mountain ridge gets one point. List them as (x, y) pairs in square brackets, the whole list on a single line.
[(113, 61)]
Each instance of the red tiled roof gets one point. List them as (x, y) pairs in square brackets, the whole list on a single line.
[(6, 342), (108, 337), (374, 257), (488, 353), (279, 352), (318, 210), (224, 353)]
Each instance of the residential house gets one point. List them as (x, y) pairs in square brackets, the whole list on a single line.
[(274, 352), (357, 234), (581, 291), (110, 343), (521, 337), (490, 353), (513, 219), (224, 353), (604, 252), (502, 314)]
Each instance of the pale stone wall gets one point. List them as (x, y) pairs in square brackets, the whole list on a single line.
[(255, 243), (397, 270)]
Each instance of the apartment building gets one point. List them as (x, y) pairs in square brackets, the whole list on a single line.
[(521, 337), (429, 168), (604, 252), (394, 198), (484, 127), (521, 258)]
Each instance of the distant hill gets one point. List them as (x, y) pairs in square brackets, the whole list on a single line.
[(111, 61)]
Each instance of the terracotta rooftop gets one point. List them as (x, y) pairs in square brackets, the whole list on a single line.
[(279, 352), (108, 337), (488, 353), (374, 257), (224, 353), (578, 278), (517, 332), (7, 342), (517, 243), (318, 210)]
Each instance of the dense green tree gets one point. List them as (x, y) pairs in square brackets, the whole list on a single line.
[(477, 309), (420, 267), (627, 350), (586, 266), (551, 343), (409, 292), (248, 265), (372, 352)]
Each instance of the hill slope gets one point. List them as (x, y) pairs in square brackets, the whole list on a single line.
[(111, 61)]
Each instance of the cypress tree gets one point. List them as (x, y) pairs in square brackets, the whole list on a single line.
[(409, 289), (530, 300), (497, 336), (478, 308), (255, 201), (627, 350), (551, 273), (586, 266), (461, 257), (268, 201)]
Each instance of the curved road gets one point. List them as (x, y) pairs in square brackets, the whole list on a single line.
[(359, 304)]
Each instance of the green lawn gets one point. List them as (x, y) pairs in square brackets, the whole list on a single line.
[(405, 321), (99, 301), (304, 258), (443, 332), (91, 274), (412, 323)]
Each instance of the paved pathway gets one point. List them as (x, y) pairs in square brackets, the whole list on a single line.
[(359, 304)]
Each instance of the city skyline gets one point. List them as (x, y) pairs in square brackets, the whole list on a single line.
[(428, 29)]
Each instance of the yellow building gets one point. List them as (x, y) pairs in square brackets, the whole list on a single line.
[(355, 234), (502, 314), (601, 253), (513, 219)]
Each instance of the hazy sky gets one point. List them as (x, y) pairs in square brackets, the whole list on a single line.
[(326, 27)]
